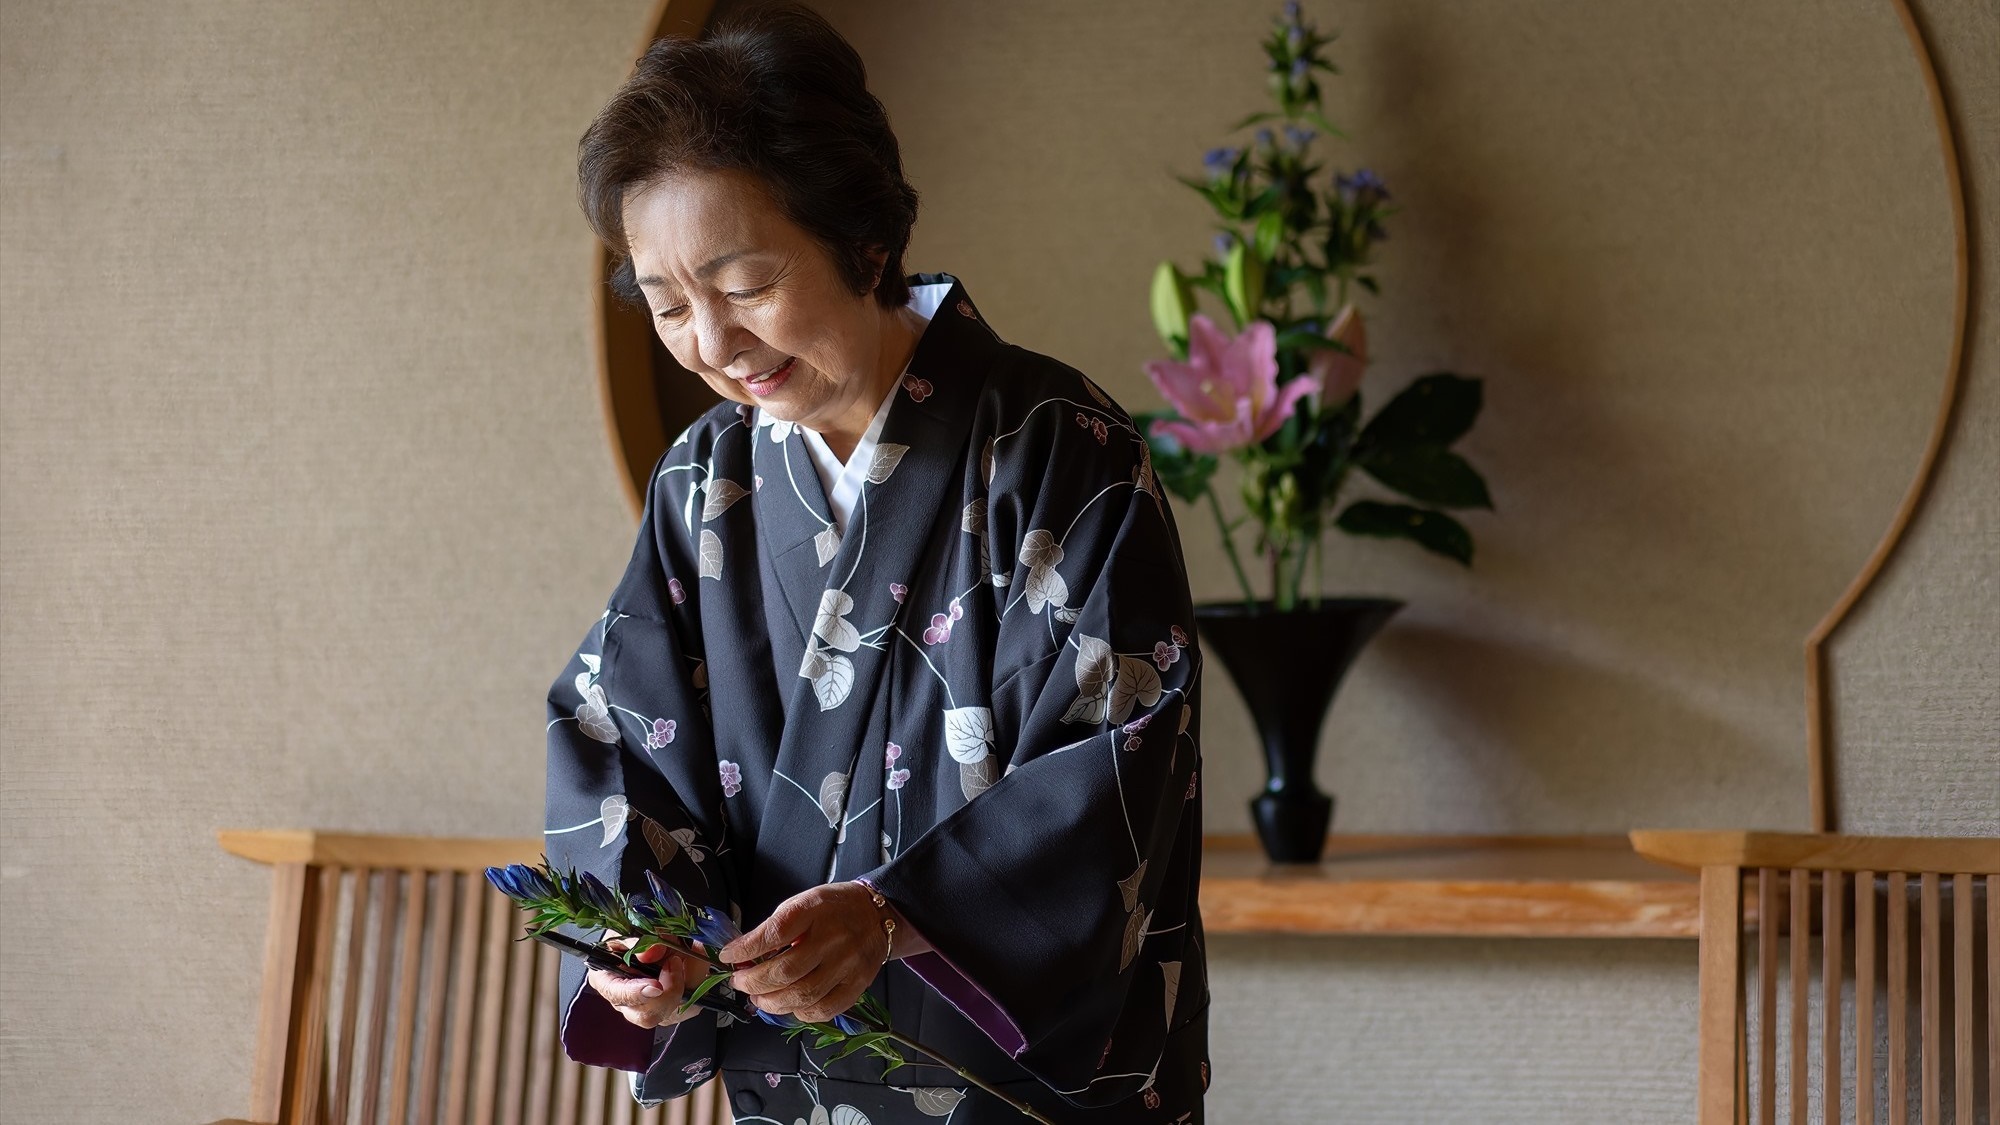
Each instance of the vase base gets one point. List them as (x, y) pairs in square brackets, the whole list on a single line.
[(1292, 828)]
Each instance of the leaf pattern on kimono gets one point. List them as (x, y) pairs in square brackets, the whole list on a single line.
[(1066, 615), (700, 677), (1135, 936), (685, 837), (968, 733), (591, 661), (848, 1115), (592, 716), (1046, 588), (664, 846), (936, 1101), (1041, 549), (819, 1115), (833, 798), (977, 777), (1171, 970), (835, 680), (614, 810), (722, 492), (826, 544), (831, 624), (1095, 393), (986, 462), (885, 847), (1142, 477), (711, 555), (1129, 886), (887, 456), (1137, 681), (1187, 712), (1095, 669), (974, 519)]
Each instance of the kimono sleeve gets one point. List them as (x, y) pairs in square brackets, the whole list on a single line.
[(630, 771), (1038, 895)]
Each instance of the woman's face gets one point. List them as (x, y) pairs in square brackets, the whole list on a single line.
[(736, 290)]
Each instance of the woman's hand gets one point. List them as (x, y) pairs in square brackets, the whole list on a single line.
[(644, 1002), (837, 946)]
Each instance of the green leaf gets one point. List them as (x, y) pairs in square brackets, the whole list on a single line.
[(1431, 530), (1436, 409), (1254, 118), (1243, 284), (1173, 299), (706, 986), (1428, 473), (1270, 231)]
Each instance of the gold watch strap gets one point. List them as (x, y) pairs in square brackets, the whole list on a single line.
[(888, 923)]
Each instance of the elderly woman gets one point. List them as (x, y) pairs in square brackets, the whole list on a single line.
[(901, 675)]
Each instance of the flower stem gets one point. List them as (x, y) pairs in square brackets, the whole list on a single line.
[(1229, 544), (968, 1076)]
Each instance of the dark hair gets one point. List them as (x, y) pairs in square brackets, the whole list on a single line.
[(774, 91)]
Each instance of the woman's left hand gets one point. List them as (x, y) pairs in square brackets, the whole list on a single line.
[(837, 946)]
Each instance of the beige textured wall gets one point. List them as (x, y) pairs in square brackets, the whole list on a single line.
[(303, 486)]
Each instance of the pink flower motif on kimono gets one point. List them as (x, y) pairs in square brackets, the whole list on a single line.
[(1097, 428), (1152, 1099), (1103, 1058), (1180, 638), (920, 389), (940, 629), (897, 778), (965, 307), (1193, 778), (675, 592), (732, 777), (758, 479), (770, 1080), (898, 591), (1133, 743), (661, 734), (1137, 724), (1227, 391), (890, 754), (698, 1064), (1083, 419), (1165, 654)]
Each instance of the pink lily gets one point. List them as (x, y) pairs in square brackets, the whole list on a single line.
[(1338, 372), (1228, 389)]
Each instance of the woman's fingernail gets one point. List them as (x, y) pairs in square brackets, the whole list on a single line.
[(649, 990)]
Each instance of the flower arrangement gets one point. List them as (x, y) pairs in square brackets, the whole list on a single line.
[(665, 918), (1280, 393)]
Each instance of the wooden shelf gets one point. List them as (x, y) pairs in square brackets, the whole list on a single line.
[(1457, 886)]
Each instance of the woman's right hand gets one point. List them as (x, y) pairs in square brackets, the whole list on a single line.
[(644, 1002)]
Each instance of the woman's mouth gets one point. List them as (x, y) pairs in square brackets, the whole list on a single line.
[(766, 383)]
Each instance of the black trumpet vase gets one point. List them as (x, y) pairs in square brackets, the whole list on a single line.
[(1287, 665)]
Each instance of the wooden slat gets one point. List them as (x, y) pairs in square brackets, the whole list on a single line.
[(596, 1086), (1720, 981), (350, 990), (1933, 1034), (378, 1007), (1767, 996), (677, 1110), (359, 849), (1833, 897), (569, 1080), (1801, 957), (1963, 1068), (543, 1048), (514, 1044), (288, 954), (465, 988), (437, 963), (1864, 998), (492, 998), (1993, 999), (620, 1107), (1899, 998), (1819, 851), (403, 1051), (306, 1091)]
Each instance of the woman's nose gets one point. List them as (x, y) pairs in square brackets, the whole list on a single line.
[(719, 339)]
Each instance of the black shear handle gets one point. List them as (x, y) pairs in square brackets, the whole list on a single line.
[(721, 999)]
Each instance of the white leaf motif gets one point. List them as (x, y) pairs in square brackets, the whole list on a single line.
[(664, 846), (974, 519), (833, 798), (614, 810), (711, 555), (1045, 588), (968, 733), (1095, 669), (827, 544), (814, 664), (591, 661), (594, 718), (721, 494), (832, 685), (848, 1115), (1135, 936), (1172, 971), (936, 1101), (887, 456), (1137, 681), (832, 626), (1129, 886), (986, 462), (1041, 549)]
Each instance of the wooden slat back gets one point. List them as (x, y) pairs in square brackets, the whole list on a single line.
[(397, 994), (1849, 1051)]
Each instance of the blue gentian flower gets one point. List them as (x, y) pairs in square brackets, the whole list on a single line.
[(1219, 159), (1299, 136), (669, 899), (1299, 68), (849, 1024), (714, 929), (1224, 243), (1292, 11), (1264, 137), (1363, 189), (598, 895), (1295, 37)]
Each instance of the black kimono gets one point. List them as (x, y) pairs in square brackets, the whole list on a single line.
[(981, 695)]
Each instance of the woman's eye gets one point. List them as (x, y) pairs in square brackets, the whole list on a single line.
[(668, 314), (749, 292)]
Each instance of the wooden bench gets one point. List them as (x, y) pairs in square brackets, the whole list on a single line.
[(395, 993)]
